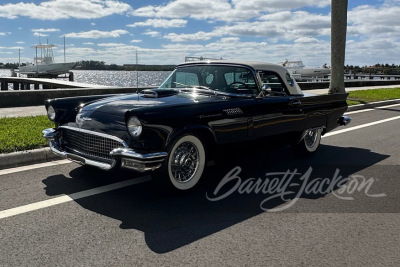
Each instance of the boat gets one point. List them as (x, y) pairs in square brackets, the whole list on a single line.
[(300, 72), (193, 59), (44, 66)]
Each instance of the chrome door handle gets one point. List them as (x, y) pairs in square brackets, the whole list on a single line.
[(295, 103)]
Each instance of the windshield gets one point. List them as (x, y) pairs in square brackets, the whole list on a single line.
[(226, 79)]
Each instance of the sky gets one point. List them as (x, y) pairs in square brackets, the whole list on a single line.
[(165, 32)]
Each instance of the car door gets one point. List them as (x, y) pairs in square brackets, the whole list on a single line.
[(278, 115), (277, 111)]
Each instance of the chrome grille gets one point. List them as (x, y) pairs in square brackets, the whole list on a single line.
[(89, 145)]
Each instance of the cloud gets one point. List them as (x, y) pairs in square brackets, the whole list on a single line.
[(205, 9), (284, 25), (192, 37), (152, 33), (223, 10), (45, 30), (38, 34), (110, 44), (160, 23), (384, 22), (306, 40), (64, 9), (276, 5), (95, 34)]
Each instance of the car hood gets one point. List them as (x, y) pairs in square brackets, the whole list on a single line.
[(119, 105)]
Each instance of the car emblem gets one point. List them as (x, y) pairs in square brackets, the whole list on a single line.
[(80, 120)]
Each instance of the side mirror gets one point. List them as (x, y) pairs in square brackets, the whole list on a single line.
[(265, 91), (266, 88)]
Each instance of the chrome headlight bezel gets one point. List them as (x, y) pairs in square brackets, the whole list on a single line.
[(51, 113), (134, 126)]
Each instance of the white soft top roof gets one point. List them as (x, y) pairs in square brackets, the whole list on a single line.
[(293, 88)]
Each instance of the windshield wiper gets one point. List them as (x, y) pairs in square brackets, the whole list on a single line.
[(201, 87), (194, 86)]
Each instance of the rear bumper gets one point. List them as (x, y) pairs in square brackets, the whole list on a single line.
[(124, 157)]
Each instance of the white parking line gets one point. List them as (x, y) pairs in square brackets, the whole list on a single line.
[(71, 197), (35, 166), (360, 126), (359, 111), (371, 109)]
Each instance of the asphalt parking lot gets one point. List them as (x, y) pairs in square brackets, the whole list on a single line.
[(339, 207)]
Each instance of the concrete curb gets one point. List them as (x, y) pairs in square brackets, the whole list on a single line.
[(22, 158), (41, 155), (373, 105)]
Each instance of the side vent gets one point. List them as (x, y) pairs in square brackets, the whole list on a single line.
[(233, 111)]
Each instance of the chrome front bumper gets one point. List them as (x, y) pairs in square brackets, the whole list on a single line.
[(126, 157)]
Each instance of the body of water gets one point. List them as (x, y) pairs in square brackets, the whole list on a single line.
[(113, 78)]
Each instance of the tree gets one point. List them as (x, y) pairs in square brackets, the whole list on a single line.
[(338, 45)]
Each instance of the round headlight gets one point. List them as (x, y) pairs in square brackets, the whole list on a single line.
[(51, 113), (134, 127)]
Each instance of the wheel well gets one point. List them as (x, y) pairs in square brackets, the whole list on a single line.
[(204, 134)]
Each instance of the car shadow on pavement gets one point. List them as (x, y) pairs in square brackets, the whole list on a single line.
[(172, 221)]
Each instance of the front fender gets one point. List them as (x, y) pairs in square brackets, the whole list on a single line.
[(67, 108), (204, 132)]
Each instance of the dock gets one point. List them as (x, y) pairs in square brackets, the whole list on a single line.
[(22, 83), (372, 76)]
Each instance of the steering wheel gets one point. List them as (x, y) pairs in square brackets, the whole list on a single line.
[(230, 86)]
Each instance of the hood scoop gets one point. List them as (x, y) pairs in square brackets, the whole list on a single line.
[(157, 93)]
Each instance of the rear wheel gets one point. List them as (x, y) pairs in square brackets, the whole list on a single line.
[(309, 142), (184, 166)]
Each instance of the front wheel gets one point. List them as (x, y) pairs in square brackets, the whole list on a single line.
[(309, 142), (184, 165)]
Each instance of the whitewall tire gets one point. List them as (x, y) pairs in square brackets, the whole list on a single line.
[(185, 163), (309, 142)]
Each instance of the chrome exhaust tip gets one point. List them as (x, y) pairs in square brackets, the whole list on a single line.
[(344, 120)]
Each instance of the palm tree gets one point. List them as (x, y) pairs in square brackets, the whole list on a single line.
[(338, 45)]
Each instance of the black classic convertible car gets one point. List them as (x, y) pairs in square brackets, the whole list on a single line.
[(172, 131)]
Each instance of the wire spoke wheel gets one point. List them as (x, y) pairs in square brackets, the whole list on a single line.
[(311, 138), (186, 162)]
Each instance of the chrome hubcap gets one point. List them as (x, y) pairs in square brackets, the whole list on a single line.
[(185, 161), (310, 138)]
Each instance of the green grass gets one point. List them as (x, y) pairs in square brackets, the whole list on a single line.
[(373, 95), (22, 133)]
